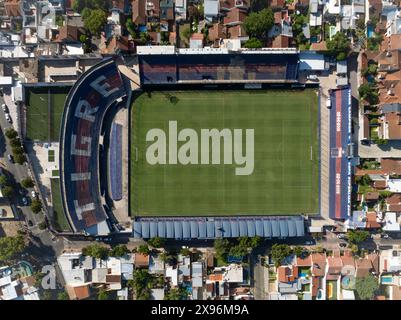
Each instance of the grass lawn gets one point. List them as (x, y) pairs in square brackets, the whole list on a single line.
[(41, 125), (60, 218), (285, 176)]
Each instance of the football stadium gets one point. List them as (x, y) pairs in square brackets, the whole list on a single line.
[(284, 179), (218, 146)]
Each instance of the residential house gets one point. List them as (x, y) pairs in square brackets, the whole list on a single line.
[(141, 260), (13, 287), (211, 10), (197, 280), (139, 12), (318, 274)]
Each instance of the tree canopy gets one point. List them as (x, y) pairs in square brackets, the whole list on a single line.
[(257, 24), (36, 206), (176, 294), (366, 287), (339, 46), (143, 249), (27, 182), (94, 21), (156, 242), (96, 251), (357, 236), (253, 43), (119, 250), (279, 252), (369, 92), (10, 247)]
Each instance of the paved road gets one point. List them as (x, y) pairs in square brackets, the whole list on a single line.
[(259, 274)]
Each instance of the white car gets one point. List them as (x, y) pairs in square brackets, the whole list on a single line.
[(33, 194), (4, 107), (8, 118)]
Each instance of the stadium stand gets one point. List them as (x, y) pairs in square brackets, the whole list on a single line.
[(218, 68), (94, 92), (340, 155), (115, 161), (219, 227)]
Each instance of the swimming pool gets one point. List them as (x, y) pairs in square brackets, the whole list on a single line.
[(370, 31)]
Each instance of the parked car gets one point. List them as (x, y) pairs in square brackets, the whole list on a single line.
[(10, 158), (341, 236), (342, 244), (312, 77), (33, 194), (8, 118), (309, 243), (385, 236), (30, 223), (4, 107), (24, 201)]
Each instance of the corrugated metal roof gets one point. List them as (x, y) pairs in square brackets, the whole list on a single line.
[(137, 229), (170, 229), (210, 229), (186, 230), (153, 229), (145, 229), (178, 230), (251, 228), (299, 223), (202, 230), (283, 228), (234, 228), (275, 228), (259, 228), (218, 229), (243, 230), (292, 231), (161, 229), (226, 229), (267, 228), (194, 230)]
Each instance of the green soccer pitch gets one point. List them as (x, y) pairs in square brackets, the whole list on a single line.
[(285, 176)]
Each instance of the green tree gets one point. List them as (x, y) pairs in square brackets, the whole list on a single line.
[(141, 284), (36, 206), (19, 158), (381, 141), (10, 247), (253, 43), (95, 21), (221, 247), (119, 250), (10, 133), (369, 92), (63, 296), (15, 142), (366, 287), (132, 28), (7, 191), (42, 225), (257, 24), (364, 180), (27, 182), (17, 150), (374, 42), (157, 242), (80, 5), (176, 294), (185, 251), (143, 249), (103, 295), (46, 295), (279, 252), (97, 251), (339, 46), (299, 251), (357, 236), (3, 180)]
